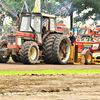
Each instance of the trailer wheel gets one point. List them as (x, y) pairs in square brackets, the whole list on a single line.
[(29, 52), (16, 58), (88, 58), (62, 49), (3, 59)]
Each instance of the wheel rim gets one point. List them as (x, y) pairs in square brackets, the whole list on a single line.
[(33, 53), (64, 50), (89, 58)]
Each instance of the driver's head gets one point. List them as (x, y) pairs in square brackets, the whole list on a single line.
[(71, 33)]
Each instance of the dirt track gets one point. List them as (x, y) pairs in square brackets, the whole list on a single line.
[(49, 87), (22, 67)]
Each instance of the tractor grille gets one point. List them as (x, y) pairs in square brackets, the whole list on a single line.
[(11, 40)]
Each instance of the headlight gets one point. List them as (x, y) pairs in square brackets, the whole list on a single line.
[(14, 43), (8, 43), (19, 41)]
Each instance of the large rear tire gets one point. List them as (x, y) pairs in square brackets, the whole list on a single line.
[(48, 48), (29, 53), (3, 59), (61, 49)]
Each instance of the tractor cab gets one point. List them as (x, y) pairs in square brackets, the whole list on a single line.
[(38, 24)]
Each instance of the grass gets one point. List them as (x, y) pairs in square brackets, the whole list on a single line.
[(92, 71)]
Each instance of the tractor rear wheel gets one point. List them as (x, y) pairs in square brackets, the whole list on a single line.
[(48, 48), (61, 49), (88, 58), (29, 53), (3, 59)]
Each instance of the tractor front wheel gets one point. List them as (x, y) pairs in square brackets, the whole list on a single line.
[(29, 52)]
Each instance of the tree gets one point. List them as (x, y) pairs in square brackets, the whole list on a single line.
[(83, 5), (52, 6), (16, 6)]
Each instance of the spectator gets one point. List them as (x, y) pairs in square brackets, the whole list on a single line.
[(72, 38), (92, 37), (90, 40), (78, 39), (94, 40), (85, 40), (97, 39)]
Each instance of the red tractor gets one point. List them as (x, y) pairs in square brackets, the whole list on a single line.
[(88, 30), (32, 42)]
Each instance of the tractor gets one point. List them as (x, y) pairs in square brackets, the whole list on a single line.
[(36, 39)]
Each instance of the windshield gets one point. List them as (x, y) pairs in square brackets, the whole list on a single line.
[(25, 24), (81, 32), (35, 23)]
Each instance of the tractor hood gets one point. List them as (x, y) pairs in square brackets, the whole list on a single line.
[(23, 34)]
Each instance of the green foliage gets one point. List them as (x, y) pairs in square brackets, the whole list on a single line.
[(52, 6), (83, 5), (16, 6)]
